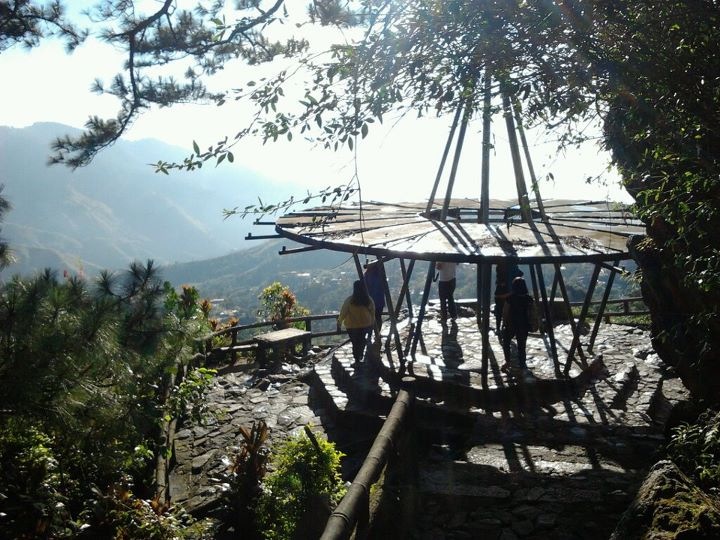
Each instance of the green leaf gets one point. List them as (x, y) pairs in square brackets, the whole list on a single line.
[(364, 130), (196, 148), (231, 157)]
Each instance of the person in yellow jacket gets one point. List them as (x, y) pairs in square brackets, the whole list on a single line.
[(357, 315)]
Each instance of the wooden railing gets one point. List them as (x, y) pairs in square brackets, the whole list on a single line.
[(624, 302), (352, 515), (238, 345)]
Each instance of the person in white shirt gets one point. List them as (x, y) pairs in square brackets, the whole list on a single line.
[(446, 288)]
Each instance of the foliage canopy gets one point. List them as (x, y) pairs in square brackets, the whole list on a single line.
[(85, 372)]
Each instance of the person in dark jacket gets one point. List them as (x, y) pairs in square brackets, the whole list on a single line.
[(516, 321), (374, 281)]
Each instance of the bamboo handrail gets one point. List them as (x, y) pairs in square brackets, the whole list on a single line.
[(353, 510)]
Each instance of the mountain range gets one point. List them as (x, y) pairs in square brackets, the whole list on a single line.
[(118, 209)]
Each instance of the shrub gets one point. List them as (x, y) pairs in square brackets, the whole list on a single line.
[(119, 514), (246, 470), (30, 492), (306, 469), (695, 448), (83, 376), (278, 303)]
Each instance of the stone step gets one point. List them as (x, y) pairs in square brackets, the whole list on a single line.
[(358, 409), (521, 491)]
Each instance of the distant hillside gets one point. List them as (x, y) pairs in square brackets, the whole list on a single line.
[(323, 279), (320, 278), (118, 209)]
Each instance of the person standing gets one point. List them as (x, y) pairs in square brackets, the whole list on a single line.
[(358, 316), (501, 294), (504, 274), (446, 289), (374, 281), (516, 321)]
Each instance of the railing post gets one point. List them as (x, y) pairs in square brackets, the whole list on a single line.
[(233, 342)]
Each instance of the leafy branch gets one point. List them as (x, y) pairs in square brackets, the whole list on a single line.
[(327, 196)]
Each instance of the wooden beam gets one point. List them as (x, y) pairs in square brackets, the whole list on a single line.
[(423, 306), (285, 251), (573, 326), (549, 329), (456, 160), (601, 309), (250, 236), (528, 159), (585, 307), (448, 144), (485, 172)]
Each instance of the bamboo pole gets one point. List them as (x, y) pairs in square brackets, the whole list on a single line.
[(528, 160), (423, 306), (585, 307), (601, 309), (549, 328), (448, 144), (456, 160), (485, 172), (353, 509), (573, 326), (523, 201)]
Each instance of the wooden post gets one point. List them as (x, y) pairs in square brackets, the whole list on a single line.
[(585, 307), (485, 172), (486, 271), (523, 201), (448, 144), (393, 320), (456, 159), (423, 306), (404, 290), (553, 290), (406, 278), (233, 342), (573, 326), (601, 308), (549, 328), (528, 160)]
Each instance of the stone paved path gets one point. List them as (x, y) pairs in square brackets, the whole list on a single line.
[(239, 399), (563, 470)]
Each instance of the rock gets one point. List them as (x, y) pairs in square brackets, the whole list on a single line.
[(546, 521), (262, 384), (667, 505), (199, 462), (523, 527), (458, 519)]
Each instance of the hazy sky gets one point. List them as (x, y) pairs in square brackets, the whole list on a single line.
[(396, 162)]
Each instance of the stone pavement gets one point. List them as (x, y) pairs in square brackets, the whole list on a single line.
[(566, 468), (238, 399)]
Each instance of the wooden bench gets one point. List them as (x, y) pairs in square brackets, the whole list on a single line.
[(281, 340)]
